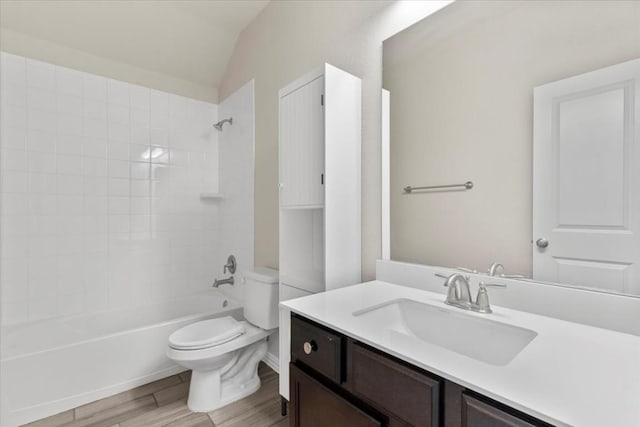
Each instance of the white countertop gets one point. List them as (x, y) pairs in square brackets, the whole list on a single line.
[(569, 375)]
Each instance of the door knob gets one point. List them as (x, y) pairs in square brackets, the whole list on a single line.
[(542, 242)]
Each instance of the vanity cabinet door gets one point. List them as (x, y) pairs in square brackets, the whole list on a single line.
[(316, 347), (476, 413), (315, 405), (409, 396)]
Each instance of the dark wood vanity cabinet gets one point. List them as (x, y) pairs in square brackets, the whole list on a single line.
[(337, 381)]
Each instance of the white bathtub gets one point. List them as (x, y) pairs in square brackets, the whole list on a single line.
[(57, 364)]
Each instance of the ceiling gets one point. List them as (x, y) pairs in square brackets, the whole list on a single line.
[(189, 40)]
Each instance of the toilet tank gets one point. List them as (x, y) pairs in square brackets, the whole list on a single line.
[(261, 297)]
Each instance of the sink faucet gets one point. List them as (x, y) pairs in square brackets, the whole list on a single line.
[(228, 281), (459, 294), (495, 268)]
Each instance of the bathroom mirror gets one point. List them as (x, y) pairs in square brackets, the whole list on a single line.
[(533, 103)]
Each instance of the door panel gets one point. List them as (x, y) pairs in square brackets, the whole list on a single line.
[(586, 199), (315, 405), (476, 413), (302, 146)]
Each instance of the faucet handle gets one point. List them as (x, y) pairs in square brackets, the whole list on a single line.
[(511, 276), (484, 285), (467, 270), (482, 299)]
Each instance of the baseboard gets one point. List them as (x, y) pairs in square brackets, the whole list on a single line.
[(272, 361)]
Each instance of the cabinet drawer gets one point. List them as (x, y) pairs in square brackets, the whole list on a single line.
[(315, 405), (477, 413), (317, 348), (402, 392)]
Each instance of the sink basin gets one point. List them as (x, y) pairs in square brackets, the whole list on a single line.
[(486, 340)]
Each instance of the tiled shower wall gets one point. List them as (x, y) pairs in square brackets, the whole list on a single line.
[(100, 192)]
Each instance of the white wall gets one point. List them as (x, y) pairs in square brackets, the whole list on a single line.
[(89, 220), (290, 38)]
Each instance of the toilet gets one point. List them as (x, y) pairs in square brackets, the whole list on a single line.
[(223, 353)]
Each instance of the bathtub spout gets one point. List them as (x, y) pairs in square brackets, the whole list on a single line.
[(228, 281)]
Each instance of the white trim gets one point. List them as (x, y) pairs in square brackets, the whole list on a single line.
[(272, 361), (386, 174), (301, 81)]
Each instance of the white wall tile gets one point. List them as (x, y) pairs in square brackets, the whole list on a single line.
[(119, 206), (95, 147), (14, 116), (118, 114), (94, 87), (95, 109), (69, 104), (43, 183), (95, 166), (69, 81), (118, 150), (94, 186), (140, 170), (70, 124), (12, 137), (70, 185), (119, 132), (40, 74), (119, 187), (94, 127), (95, 205), (118, 169), (41, 98), (69, 144), (139, 97), (117, 92), (99, 200), (67, 164)]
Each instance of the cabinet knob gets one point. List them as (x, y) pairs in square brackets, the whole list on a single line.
[(309, 346)]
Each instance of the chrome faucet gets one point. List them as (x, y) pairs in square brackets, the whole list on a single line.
[(497, 269), (494, 268), (227, 281), (459, 294)]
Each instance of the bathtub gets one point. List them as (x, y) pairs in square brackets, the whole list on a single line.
[(57, 364)]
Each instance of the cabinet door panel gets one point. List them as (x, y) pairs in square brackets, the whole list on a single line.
[(403, 393), (325, 356), (302, 146), (314, 405), (476, 413)]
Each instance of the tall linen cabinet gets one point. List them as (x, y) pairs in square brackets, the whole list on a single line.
[(320, 189)]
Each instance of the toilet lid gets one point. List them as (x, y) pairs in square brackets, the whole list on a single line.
[(206, 333)]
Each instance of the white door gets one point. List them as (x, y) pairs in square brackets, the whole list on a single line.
[(302, 146), (586, 180)]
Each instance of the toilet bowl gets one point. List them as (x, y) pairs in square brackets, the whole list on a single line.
[(223, 353)]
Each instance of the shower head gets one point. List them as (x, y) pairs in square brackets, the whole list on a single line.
[(218, 125)]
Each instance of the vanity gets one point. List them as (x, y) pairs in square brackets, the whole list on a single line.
[(338, 380), (380, 354)]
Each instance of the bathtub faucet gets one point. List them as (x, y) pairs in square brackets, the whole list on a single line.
[(228, 281)]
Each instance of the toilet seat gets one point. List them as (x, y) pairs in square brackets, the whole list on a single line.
[(252, 334), (206, 334)]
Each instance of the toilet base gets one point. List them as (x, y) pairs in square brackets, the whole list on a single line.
[(210, 390)]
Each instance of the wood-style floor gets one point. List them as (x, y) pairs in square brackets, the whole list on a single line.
[(164, 403)]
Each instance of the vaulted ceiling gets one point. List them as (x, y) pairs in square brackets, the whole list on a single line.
[(185, 39)]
